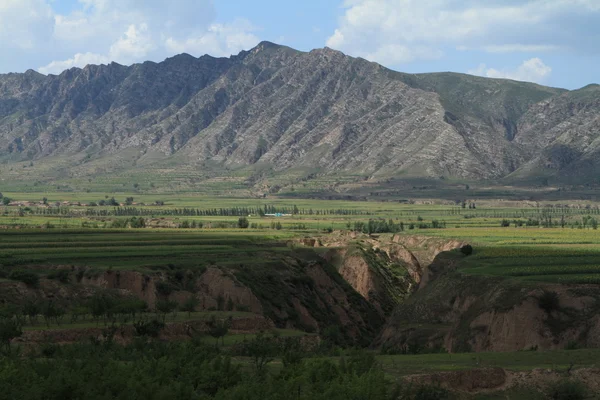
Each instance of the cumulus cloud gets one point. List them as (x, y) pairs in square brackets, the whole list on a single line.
[(78, 60), (135, 44), (532, 70), (401, 31), (218, 40), (394, 54), (124, 31)]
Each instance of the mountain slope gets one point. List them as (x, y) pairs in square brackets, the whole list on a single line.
[(562, 136), (277, 109)]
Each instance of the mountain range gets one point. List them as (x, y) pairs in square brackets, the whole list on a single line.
[(274, 113)]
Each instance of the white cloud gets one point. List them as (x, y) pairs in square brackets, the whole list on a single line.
[(218, 40), (125, 31), (394, 54), (532, 70), (134, 45), (400, 31), (78, 60)]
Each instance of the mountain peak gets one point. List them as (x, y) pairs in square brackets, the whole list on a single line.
[(265, 44), (269, 47), (182, 56), (33, 73)]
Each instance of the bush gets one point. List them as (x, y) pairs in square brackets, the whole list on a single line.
[(148, 329), (572, 345), (165, 307), (243, 223), (429, 392), (27, 277), (467, 250), (549, 301), (9, 329), (190, 305), (137, 222), (61, 275), (568, 390), (165, 288)]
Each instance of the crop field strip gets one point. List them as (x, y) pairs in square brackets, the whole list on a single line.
[(554, 255), (130, 249), (517, 361)]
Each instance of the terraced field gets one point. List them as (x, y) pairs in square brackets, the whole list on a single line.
[(138, 250), (532, 254), (543, 242)]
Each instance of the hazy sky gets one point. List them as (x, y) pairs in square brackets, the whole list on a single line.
[(553, 42)]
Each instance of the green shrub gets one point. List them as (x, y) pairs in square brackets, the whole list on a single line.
[(27, 277), (467, 250), (165, 307), (190, 305), (572, 345), (430, 392), (165, 288), (549, 301), (148, 329), (568, 389), (61, 275), (9, 329)]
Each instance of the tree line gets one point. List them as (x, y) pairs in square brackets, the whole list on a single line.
[(389, 226), (192, 212), (586, 222)]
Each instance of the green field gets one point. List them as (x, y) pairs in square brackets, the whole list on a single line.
[(516, 361), (137, 249), (67, 321), (540, 254), (532, 254), (544, 242)]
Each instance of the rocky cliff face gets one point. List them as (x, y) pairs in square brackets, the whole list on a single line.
[(561, 135), (461, 313), (273, 107)]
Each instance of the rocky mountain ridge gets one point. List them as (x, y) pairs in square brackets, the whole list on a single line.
[(315, 113)]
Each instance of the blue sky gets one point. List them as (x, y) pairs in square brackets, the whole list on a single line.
[(552, 42)]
